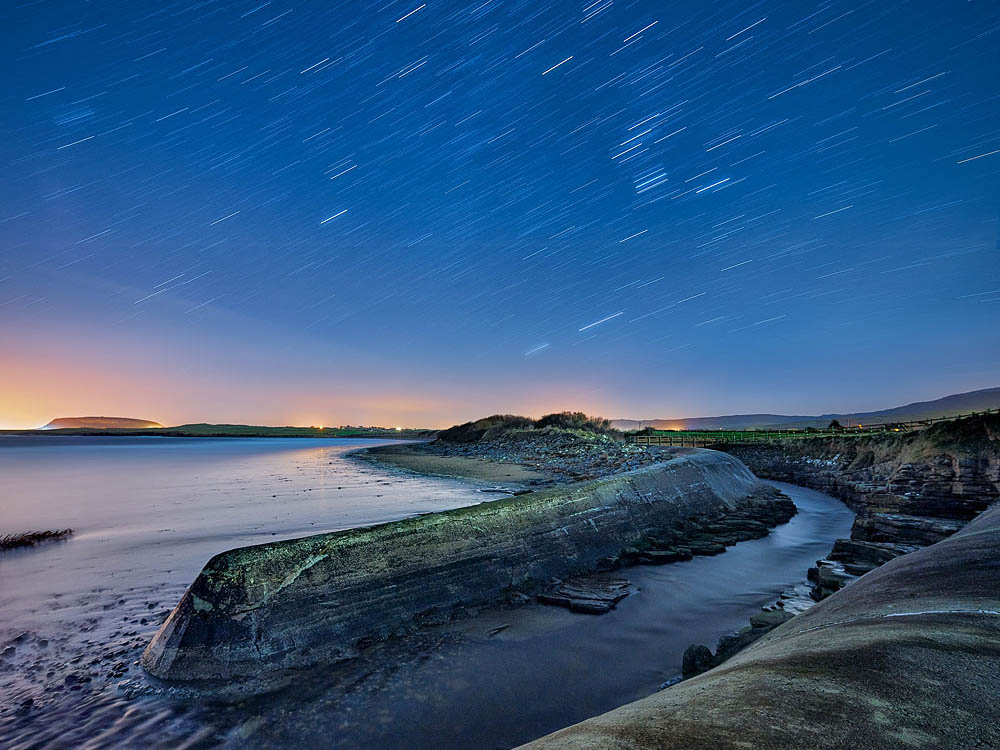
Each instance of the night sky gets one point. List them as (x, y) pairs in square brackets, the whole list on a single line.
[(420, 213)]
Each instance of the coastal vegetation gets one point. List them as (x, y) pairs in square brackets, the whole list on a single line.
[(495, 426)]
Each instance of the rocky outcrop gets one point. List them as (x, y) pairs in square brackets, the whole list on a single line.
[(907, 656), (31, 538), (589, 595), (909, 490), (321, 598), (902, 491), (860, 557), (698, 658), (570, 455), (706, 533)]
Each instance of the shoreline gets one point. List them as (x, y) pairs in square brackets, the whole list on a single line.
[(495, 634), (181, 434), (423, 459), (80, 612), (462, 674), (410, 459), (498, 626), (248, 612)]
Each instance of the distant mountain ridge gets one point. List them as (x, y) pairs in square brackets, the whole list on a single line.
[(100, 423), (958, 403)]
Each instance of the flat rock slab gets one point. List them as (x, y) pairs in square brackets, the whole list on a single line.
[(587, 594)]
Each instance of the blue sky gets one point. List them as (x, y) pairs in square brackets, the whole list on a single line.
[(403, 212)]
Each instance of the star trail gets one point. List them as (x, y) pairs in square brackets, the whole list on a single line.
[(404, 212)]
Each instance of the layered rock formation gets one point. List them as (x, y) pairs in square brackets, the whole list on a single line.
[(709, 532), (907, 656), (320, 598), (909, 490)]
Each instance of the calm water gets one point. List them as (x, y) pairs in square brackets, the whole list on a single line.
[(149, 512)]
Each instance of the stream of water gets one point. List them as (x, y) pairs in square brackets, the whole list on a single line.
[(149, 512)]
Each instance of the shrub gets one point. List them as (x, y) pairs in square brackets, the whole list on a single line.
[(576, 420), (472, 432)]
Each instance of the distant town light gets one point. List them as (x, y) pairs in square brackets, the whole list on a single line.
[(399, 429)]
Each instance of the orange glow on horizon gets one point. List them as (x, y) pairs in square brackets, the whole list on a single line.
[(90, 377)]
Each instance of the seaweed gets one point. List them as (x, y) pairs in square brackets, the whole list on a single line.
[(31, 538)]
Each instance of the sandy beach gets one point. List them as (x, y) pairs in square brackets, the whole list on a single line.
[(413, 457)]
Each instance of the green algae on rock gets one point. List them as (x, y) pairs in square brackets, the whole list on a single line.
[(319, 599)]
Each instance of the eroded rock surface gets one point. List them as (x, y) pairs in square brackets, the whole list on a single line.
[(321, 598), (909, 490), (907, 656), (590, 595)]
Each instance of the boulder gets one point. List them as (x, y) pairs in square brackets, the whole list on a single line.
[(697, 659)]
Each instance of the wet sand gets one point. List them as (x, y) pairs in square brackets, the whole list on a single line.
[(148, 513), (410, 457)]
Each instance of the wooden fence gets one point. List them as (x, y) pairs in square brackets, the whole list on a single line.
[(701, 438)]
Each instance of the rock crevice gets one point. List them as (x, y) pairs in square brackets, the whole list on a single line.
[(908, 490)]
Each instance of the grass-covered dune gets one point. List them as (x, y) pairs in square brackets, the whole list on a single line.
[(503, 424)]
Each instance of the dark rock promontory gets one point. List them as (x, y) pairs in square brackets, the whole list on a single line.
[(321, 598), (904, 656)]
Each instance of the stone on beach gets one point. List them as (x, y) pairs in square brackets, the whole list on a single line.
[(587, 594)]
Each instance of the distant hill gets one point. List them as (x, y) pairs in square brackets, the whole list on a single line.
[(959, 403), (101, 423)]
